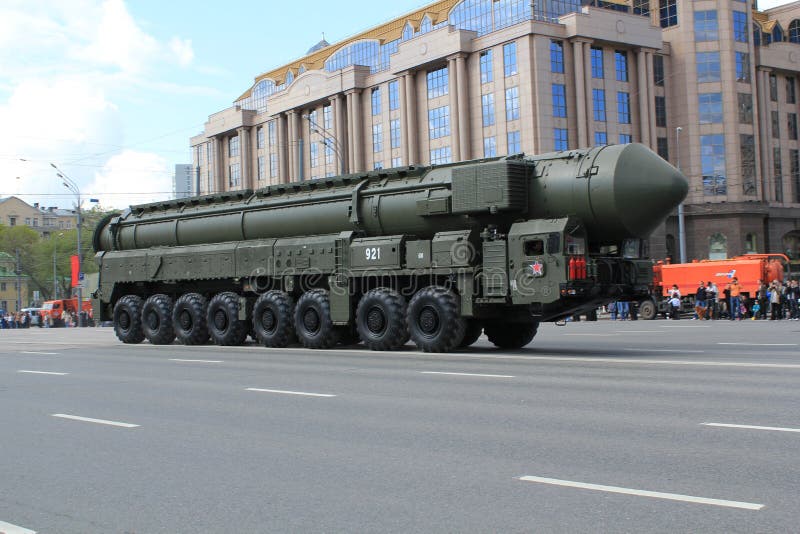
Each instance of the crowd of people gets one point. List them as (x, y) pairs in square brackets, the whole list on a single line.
[(15, 320), (775, 301)]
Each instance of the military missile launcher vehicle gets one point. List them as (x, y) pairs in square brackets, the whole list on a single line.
[(437, 254)]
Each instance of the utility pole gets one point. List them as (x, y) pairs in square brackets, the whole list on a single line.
[(19, 283), (55, 275)]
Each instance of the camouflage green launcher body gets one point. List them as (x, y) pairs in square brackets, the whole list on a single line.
[(526, 238)]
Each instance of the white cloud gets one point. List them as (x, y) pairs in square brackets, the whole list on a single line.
[(182, 50), (132, 177)]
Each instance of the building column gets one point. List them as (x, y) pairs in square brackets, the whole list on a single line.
[(455, 131), (356, 129), (463, 107), (245, 157), (587, 82), (761, 109), (291, 146), (403, 119), (350, 133), (340, 134), (219, 165), (283, 141), (580, 93), (411, 112), (644, 109), (651, 100)]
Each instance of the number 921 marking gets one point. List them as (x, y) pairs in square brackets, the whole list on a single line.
[(373, 254)]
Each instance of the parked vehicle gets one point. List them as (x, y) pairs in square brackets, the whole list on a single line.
[(35, 315), (438, 254), (53, 310)]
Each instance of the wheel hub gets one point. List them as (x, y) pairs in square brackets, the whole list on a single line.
[(124, 320), (185, 320), (376, 320), (152, 320), (220, 320), (311, 321), (429, 320), (268, 320)]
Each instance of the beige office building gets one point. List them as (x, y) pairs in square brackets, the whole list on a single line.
[(16, 212), (710, 85)]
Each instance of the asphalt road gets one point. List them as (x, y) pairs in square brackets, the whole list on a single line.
[(595, 427)]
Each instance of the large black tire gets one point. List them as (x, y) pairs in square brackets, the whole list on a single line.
[(189, 319), (157, 320), (128, 319), (273, 319), (312, 321), (648, 310), (511, 335), (381, 319), (224, 325), (472, 333), (433, 320)]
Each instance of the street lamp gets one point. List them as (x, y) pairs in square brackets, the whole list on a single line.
[(328, 139), (681, 221)]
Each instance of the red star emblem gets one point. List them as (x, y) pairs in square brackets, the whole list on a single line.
[(537, 268)]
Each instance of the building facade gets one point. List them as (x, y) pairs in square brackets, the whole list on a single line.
[(184, 181), (12, 286), (710, 85), (16, 212)]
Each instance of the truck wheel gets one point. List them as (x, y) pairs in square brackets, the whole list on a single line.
[(157, 320), (224, 325), (312, 321), (647, 310), (433, 320), (128, 319), (472, 333), (511, 335), (273, 323), (381, 319), (189, 319)]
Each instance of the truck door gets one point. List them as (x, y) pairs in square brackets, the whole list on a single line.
[(536, 260)]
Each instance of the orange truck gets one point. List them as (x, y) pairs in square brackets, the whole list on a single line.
[(749, 269), (53, 310)]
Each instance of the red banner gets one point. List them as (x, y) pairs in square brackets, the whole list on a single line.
[(75, 268)]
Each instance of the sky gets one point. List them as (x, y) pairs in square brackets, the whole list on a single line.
[(110, 91)]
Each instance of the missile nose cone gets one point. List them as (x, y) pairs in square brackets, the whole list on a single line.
[(645, 189)]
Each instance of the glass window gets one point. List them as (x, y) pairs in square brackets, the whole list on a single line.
[(273, 165), (668, 13), (743, 67), (486, 66), (440, 156), (625, 139), (792, 125), (394, 132), (327, 117), (439, 122), (328, 151), (262, 171), (260, 137), (662, 147), (791, 95), (377, 137), (777, 33), (397, 162), (756, 34), (712, 162), (641, 7), (487, 109), (560, 140), (740, 26), (658, 70), (512, 103), (717, 247), (233, 146), (794, 31), (314, 152), (438, 83), (750, 244), (621, 65), (559, 100), (745, 108), (708, 69), (376, 101), (623, 107), (710, 108), (777, 167), (394, 95), (748, 150), (377, 165), (773, 87), (776, 124), (510, 59), (600, 138), (489, 147), (271, 134), (599, 104), (234, 175), (514, 143), (705, 26), (557, 56), (661, 111), (794, 169), (597, 63)]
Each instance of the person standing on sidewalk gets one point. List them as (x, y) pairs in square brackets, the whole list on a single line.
[(736, 299), (763, 301), (775, 301), (711, 298), (793, 300), (700, 301)]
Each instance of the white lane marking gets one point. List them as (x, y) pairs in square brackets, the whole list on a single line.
[(592, 335), (638, 331), (98, 421), (752, 427), (644, 493), (197, 361), (685, 326), (8, 528), (290, 392), (761, 344), (464, 374), (673, 351), (35, 352), (40, 373)]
